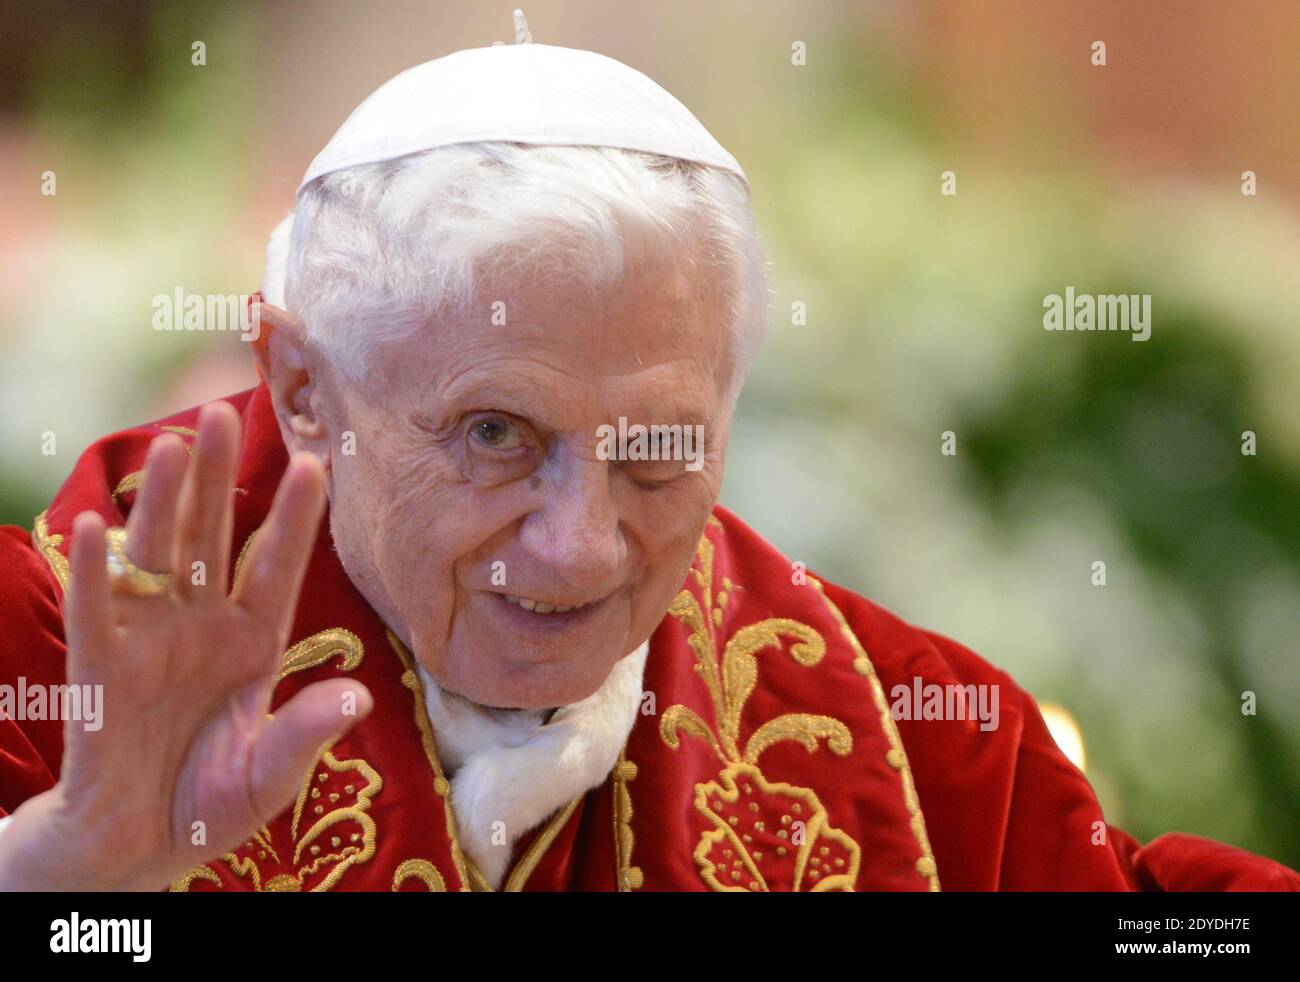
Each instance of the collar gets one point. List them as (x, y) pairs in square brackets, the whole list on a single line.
[(509, 771)]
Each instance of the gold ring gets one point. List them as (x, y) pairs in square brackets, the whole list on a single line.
[(125, 576)]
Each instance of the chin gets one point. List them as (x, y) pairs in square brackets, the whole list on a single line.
[(510, 679), (532, 686), (503, 656)]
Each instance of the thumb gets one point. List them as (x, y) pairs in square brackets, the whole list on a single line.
[(295, 735)]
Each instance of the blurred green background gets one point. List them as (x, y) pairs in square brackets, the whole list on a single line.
[(924, 311)]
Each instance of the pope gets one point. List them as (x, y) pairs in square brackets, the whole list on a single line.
[(392, 620)]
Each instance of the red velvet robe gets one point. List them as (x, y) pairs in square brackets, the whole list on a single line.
[(767, 759)]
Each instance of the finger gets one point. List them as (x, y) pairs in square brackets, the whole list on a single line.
[(205, 511), (151, 524), (273, 572), (293, 738), (87, 603)]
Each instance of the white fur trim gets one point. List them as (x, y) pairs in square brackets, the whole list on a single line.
[(505, 766)]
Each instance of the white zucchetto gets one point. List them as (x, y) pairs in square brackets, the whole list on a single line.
[(519, 93)]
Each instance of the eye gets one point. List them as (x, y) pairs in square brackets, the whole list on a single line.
[(497, 433), (655, 475)]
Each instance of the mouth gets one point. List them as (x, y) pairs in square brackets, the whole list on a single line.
[(531, 614), (541, 606)]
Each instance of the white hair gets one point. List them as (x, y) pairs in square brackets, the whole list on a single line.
[(378, 250), (277, 262)]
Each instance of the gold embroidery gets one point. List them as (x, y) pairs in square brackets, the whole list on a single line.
[(806, 729), (896, 756), (629, 877), (132, 481), (320, 647), (129, 483), (182, 883), (48, 546), (350, 855), (679, 719), (529, 860), (245, 866), (731, 855), (242, 558), (477, 881), (441, 787), (727, 853), (355, 807), (422, 870)]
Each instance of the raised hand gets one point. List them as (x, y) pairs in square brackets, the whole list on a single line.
[(187, 750)]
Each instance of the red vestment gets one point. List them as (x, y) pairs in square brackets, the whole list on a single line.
[(767, 760)]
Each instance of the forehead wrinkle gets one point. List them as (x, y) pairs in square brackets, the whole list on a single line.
[(679, 296), (501, 390)]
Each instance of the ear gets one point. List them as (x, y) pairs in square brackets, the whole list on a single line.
[(285, 362)]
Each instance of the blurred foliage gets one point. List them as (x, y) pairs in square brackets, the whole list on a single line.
[(151, 156)]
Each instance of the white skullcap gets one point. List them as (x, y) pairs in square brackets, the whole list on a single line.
[(519, 93)]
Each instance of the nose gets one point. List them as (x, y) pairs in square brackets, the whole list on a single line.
[(575, 532)]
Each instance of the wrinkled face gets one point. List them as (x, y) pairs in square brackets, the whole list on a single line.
[(481, 486)]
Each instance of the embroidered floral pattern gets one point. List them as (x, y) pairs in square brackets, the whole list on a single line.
[(330, 832), (762, 835)]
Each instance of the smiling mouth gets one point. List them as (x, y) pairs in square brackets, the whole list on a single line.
[(541, 607), (538, 620)]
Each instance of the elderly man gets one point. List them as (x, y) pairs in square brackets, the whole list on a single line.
[(522, 647)]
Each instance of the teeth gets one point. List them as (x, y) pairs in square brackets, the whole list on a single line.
[(539, 607)]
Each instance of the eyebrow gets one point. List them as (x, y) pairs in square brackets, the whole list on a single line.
[(504, 397)]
